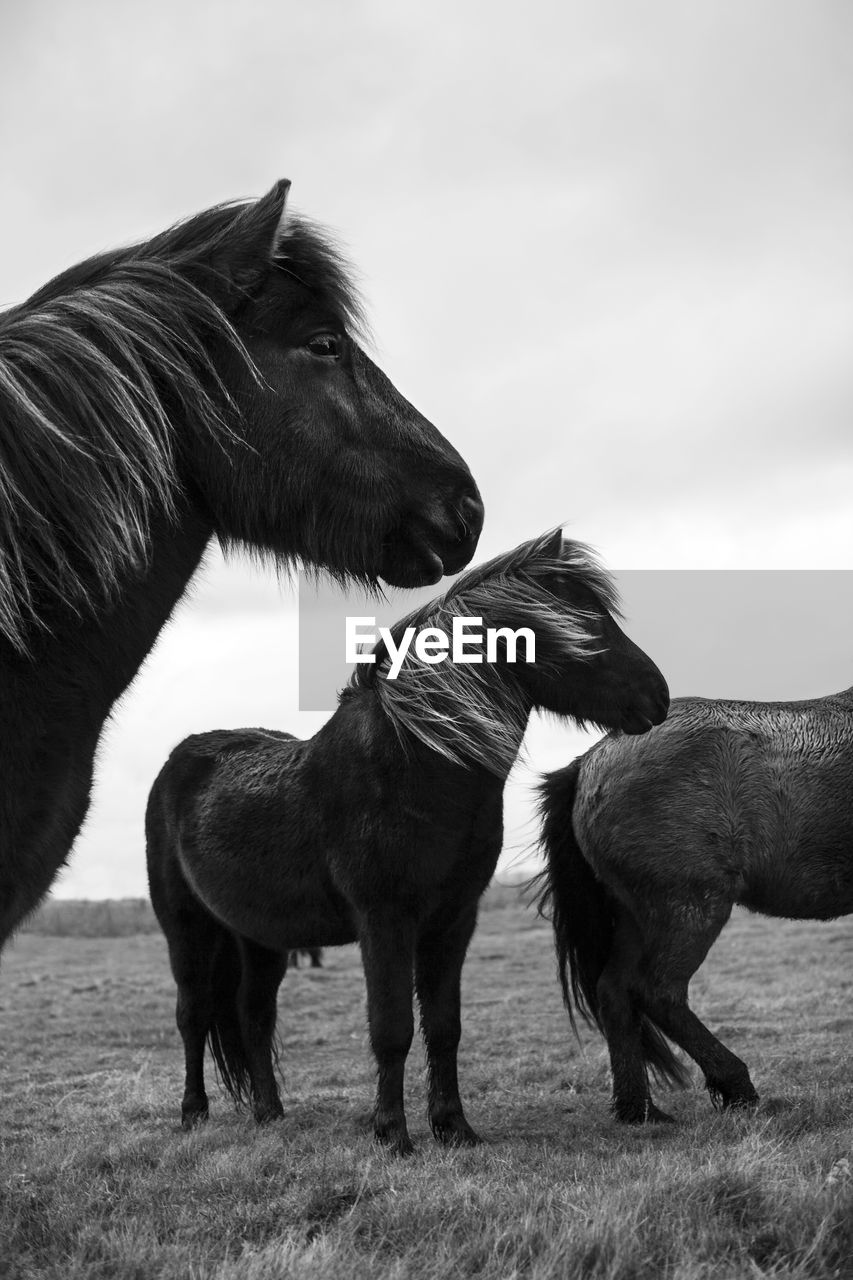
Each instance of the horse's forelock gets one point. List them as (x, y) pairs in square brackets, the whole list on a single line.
[(310, 254)]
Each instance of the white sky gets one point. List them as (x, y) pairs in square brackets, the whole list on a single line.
[(606, 247)]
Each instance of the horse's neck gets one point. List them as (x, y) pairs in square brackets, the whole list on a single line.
[(363, 727), (83, 665), (362, 755)]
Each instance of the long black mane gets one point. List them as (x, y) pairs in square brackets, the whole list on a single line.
[(97, 368), (471, 711)]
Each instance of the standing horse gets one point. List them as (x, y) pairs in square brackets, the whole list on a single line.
[(650, 843), (385, 828), (207, 381)]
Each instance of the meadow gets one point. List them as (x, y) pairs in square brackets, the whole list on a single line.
[(97, 1179)]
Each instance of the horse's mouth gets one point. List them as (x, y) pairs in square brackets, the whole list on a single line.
[(634, 725), (421, 552), (410, 561), (637, 722)]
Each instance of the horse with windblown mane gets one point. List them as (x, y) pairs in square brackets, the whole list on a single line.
[(385, 828), (208, 381)]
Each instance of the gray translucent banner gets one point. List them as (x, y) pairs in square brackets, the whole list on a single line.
[(759, 634)]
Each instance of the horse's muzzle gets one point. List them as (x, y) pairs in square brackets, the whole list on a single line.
[(648, 710), (433, 543)]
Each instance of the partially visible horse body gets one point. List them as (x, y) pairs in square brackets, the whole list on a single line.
[(651, 842), (207, 381), (385, 828)]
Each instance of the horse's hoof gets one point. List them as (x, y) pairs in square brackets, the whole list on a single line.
[(646, 1113), (740, 1102), (394, 1139), (266, 1115), (654, 1115), (192, 1117), (774, 1106), (728, 1099), (456, 1133)]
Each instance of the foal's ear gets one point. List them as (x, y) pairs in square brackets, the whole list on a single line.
[(246, 255)]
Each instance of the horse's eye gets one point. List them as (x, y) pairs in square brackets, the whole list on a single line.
[(325, 344)]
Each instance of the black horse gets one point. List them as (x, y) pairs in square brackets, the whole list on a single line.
[(650, 843), (385, 828), (205, 382)]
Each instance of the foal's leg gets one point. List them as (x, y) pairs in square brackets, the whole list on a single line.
[(439, 955), (263, 971), (387, 945), (621, 1020), (678, 954)]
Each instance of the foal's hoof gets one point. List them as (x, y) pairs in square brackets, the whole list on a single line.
[(455, 1131)]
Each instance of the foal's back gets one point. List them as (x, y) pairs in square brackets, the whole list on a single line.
[(744, 799)]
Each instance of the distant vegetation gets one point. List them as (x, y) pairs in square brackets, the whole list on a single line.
[(120, 917), (80, 918)]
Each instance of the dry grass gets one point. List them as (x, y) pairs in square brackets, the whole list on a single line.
[(98, 1181)]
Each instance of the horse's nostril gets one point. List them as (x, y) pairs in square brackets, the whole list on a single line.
[(469, 517)]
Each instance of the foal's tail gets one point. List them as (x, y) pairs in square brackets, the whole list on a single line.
[(583, 915)]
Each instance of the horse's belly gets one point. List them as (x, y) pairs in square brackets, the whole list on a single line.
[(320, 929), (810, 883), (296, 910)]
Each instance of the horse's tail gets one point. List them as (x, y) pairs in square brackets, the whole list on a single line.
[(579, 906), (583, 913), (224, 1036), (186, 921)]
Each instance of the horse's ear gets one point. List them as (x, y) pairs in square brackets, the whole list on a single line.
[(554, 546), (246, 255)]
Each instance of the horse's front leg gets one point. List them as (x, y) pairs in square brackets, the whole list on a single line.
[(439, 955), (387, 945)]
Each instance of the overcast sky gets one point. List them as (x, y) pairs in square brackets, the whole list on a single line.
[(605, 246)]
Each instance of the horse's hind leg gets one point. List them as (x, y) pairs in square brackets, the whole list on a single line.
[(682, 940), (192, 953), (621, 1021), (679, 951), (263, 971), (439, 955), (726, 1075)]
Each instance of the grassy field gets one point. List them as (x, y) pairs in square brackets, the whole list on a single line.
[(97, 1179)]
